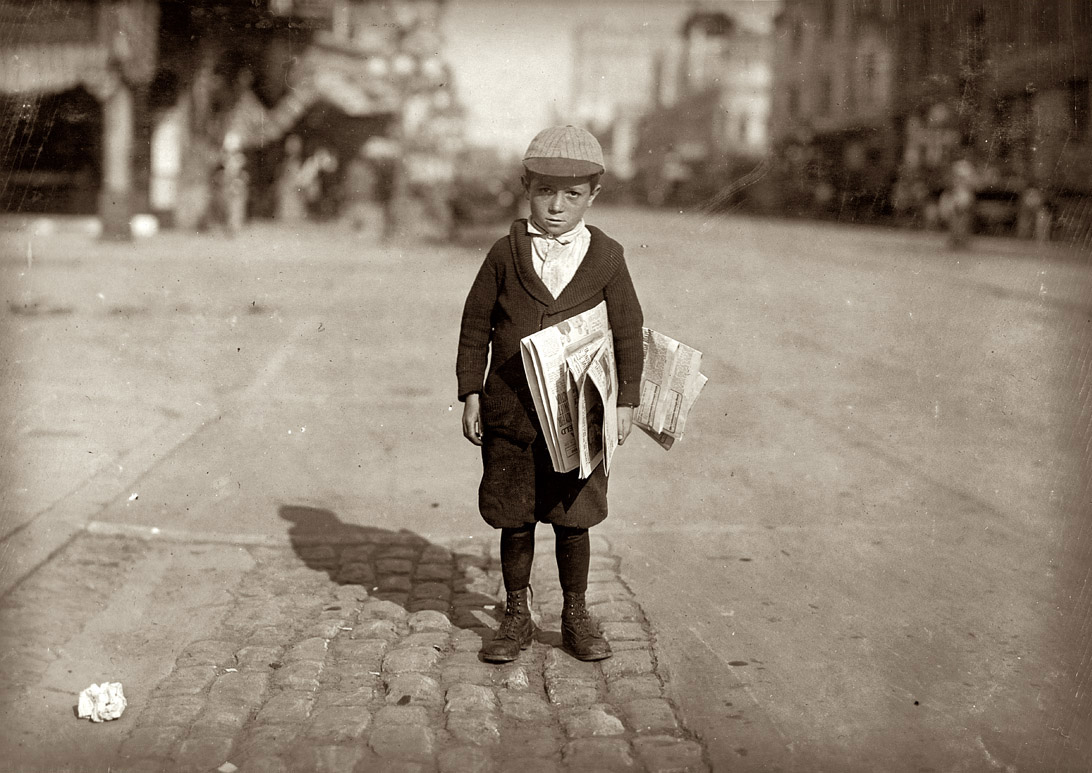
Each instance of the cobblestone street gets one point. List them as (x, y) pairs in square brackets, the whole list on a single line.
[(357, 649)]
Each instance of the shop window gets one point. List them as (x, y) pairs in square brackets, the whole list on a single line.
[(870, 79), (863, 12), (826, 95), (1004, 130), (1079, 98), (829, 18), (794, 101), (1047, 25), (851, 85), (1081, 19), (925, 48)]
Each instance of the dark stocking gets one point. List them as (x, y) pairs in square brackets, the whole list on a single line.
[(573, 558), (517, 549)]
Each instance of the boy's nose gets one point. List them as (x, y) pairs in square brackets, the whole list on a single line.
[(556, 203)]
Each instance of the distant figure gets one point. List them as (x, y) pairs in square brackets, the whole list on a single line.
[(362, 209), (234, 183), (823, 195), (1033, 216), (291, 206), (384, 154), (674, 174), (315, 176), (957, 203), (299, 184)]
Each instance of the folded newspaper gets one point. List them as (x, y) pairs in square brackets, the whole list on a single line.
[(670, 384), (571, 372), (574, 383)]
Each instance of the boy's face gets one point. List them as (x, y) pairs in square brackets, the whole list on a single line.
[(558, 203)]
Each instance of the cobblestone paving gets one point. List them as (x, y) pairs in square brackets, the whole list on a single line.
[(358, 651)]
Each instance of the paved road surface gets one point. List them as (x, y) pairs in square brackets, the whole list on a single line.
[(873, 547), (867, 554)]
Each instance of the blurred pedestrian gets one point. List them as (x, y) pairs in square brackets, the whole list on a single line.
[(957, 203), (1033, 216), (384, 154), (300, 183), (548, 268), (234, 183), (316, 177), (360, 187), (291, 206)]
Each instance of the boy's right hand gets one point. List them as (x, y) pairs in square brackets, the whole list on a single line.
[(472, 419)]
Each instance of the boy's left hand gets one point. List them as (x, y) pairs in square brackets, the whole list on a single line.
[(625, 422)]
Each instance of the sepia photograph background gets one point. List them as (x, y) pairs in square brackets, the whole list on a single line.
[(235, 244)]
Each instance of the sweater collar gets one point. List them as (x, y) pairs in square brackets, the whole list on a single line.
[(593, 273)]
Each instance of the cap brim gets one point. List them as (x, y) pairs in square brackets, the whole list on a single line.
[(562, 167)]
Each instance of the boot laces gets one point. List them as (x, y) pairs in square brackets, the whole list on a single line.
[(579, 622), (511, 622)]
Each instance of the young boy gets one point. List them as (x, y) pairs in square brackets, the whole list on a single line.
[(549, 268)]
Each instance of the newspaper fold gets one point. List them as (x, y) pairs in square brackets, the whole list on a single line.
[(574, 384), (596, 408), (670, 384)]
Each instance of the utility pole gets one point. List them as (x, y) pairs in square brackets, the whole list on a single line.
[(115, 199)]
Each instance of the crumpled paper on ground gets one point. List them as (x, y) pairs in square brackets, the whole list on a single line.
[(102, 702)]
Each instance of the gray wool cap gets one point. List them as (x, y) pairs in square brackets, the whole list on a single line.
[(564, 151)]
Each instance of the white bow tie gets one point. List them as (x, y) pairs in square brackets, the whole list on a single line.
[(565, 239)]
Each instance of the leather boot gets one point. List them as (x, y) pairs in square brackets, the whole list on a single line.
[(516, 631), (579, 634)]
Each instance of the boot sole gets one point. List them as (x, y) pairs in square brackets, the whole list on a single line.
[(588, 658), (504, 658), (498, 659)]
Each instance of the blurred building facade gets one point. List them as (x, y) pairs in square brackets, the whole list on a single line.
[(1006, 86), (833, 123), (74, 84), (220, 85), (875, 100), (851, 108), (613, 77), (709, 124)]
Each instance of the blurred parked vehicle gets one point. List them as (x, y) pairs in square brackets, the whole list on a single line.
[(486, 190), (996, 209)]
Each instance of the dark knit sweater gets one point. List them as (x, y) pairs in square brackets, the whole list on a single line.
[(508, 301)]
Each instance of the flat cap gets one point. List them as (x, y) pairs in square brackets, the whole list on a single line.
[(564, 151)]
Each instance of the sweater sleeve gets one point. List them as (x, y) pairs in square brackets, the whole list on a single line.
[(626, 321), (476, 330)]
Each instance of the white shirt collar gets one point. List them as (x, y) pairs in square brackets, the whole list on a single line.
[(565, 238)]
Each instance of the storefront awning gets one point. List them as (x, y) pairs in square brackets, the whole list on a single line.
[(359, 87), (52, 48), (51, 68)]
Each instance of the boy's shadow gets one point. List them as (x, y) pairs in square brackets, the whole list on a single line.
[(400, 566)]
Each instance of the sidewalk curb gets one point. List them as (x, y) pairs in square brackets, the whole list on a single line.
[(30, 546)]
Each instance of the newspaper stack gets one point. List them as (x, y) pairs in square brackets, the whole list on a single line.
[(570, 369), (574, 383), (670, 384)]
